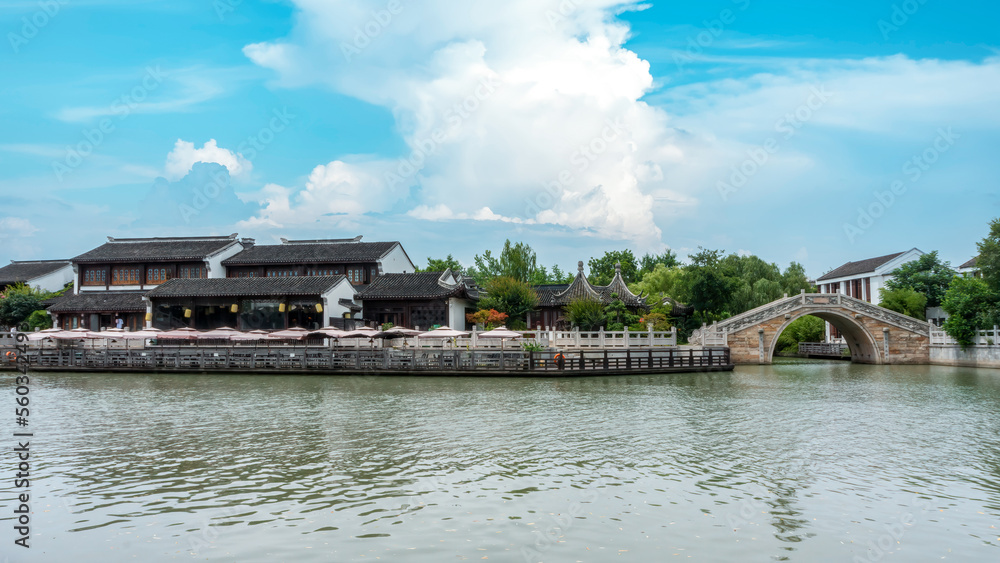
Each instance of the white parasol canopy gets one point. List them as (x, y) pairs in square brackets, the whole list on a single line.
[(43, 334), (295, 333), (443, 332), (252, 335), (500, 332), (184, 333), (222, 333)]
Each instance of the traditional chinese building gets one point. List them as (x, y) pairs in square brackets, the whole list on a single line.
[(110, 280), (273, 303), (419, 300), (552, 299), (48, 275), (361, 262), (970, 269)]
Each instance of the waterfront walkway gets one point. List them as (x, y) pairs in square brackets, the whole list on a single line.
[(319, 361)]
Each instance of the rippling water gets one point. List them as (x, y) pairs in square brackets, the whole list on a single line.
[(792, 462)]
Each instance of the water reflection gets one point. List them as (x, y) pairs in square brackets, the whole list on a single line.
[(800, 461)]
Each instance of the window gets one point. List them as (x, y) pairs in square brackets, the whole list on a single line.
[(156, 275), (196, 272), (92, 276), (355, 275), (125, 275)]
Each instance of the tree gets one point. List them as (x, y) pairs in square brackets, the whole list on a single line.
[(439, 265), (794, 280), (649, 262), (516, 261), (39, 319), (803, 329), (663, 279), (513, 297), (926, 275), (989, 256), (905, 301), (19, 301), (602, 270), (618, 314), (971, 306), (489, 318), (587, 314)]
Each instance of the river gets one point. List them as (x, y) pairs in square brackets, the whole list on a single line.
[(800, 461)]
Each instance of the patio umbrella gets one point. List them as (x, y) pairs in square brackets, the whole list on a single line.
[(502, 333), (184, 333), (329, 332), (363, 332), (396, 332), (143, 334), (43, 334), (222, 333), (442, 332), (249, 336), (294, 333)]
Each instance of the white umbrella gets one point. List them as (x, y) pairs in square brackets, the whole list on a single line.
[(329, 332), (143, 334), (443, 332), (502, 333)]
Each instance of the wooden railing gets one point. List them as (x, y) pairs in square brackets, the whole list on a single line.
[(324, 360)]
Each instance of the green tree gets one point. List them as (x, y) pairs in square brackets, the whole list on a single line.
[(905, 301), (39, 319), (602, 270), (989, 256), (971, 306), (19, 301), (439, 265), (618, 315), (926, 275), (649, 262), (516, 261), (803, 329), (587, 314), (513, 297), (794, 280)]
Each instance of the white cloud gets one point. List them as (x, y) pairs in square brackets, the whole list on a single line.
[(495, 103), (185, 155), (16, 227)]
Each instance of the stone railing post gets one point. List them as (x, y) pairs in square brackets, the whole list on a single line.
[(626, 338), (475, 336), (704, 333), (576, 336), (649, 328), (802, 292), (602, 338)]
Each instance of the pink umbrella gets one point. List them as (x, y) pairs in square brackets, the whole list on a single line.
[(143, 334), (43, 334), (223, 333), (249, 336), (294, 333), (329, 332), (184, 333)]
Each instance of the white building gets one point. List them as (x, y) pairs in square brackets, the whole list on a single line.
[(970, 269), (863, 279), (48, 275)]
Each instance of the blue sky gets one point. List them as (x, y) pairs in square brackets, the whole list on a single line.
[(820, 133)]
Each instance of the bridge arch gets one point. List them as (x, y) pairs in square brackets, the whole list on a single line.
[(874, 335), (863, 346)]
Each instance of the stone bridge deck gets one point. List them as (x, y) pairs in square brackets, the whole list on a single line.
[(874, 335)]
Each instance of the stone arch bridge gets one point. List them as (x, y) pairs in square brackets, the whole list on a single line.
[(874, 335)]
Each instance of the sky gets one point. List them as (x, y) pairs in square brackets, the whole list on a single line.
[(819, 132)]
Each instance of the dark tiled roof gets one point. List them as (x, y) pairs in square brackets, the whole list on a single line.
[(970, 264), (152, 249), (859, 267), (424, 285), (547, 294), (312, 253), (349, 305), (560, 295), (28, 270), (246, 287), (101, 302)]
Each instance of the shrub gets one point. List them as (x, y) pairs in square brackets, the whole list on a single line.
[(588, 314)]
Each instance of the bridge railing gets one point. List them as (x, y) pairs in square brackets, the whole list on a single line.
[(822, 348), (983, 338)]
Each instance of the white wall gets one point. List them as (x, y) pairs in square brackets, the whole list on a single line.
[(974, 356), (456, 312), (215, 267), (53, 281), (331, 299), (396, 262)]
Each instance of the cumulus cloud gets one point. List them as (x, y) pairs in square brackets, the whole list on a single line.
[(529, 110), (185, 155)]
